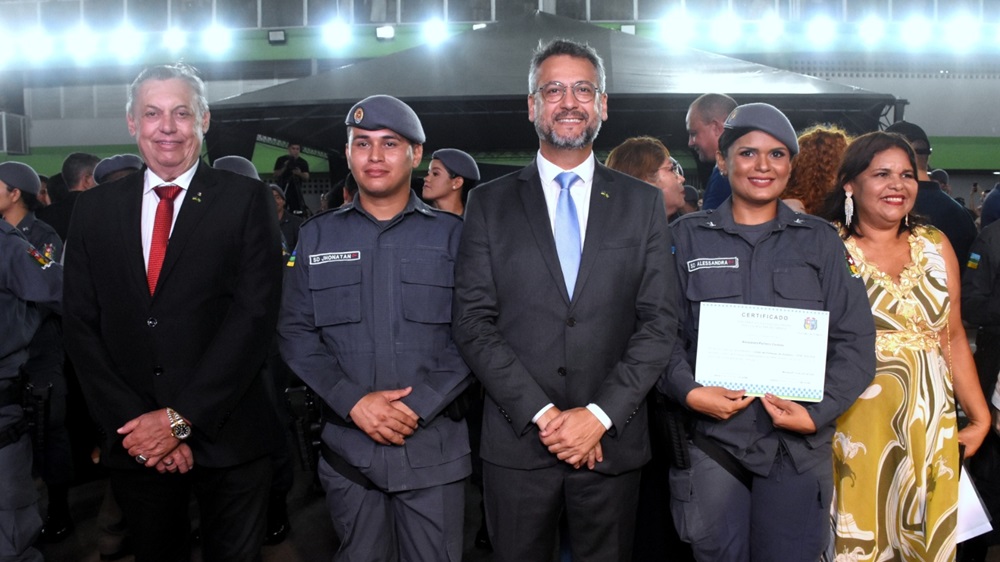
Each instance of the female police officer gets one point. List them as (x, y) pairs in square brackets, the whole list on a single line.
[(759, 482)]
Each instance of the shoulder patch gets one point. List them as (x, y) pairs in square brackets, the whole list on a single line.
[(852, 266), (291, 260), (973, 261), (39, 257)]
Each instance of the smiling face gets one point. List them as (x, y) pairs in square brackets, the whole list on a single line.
[(758, 166), (886, 191), (381, 162), (167, 127), (703, 136), (567, 123)]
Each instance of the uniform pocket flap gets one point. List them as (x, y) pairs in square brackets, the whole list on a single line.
[(439, 273), (334, 275)]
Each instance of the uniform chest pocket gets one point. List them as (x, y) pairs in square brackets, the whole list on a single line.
[(427, 286), (336, 293), (797, 286)]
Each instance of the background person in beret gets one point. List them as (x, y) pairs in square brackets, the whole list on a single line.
[(450, 176), (365, 322), (116, 167)]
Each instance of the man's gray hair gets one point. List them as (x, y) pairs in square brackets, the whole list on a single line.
[(558, 47), (181, 71)]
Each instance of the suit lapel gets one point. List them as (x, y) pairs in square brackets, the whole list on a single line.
[(131, 233), (200, 196), (537, 214), (601, 194)]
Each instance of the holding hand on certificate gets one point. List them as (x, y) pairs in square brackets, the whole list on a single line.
[(776, 341)]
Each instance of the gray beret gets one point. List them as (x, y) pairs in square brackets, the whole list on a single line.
[(457, 162), (764, 117), (277, 189), (940, 176), (116, 163), (691, 194), (386, 112), (20, 176), (237, 165)]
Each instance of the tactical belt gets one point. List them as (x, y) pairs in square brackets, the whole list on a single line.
[(723, 458), (345, 469), (12, 433)]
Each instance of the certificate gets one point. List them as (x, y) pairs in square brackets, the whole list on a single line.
[(763, 349)]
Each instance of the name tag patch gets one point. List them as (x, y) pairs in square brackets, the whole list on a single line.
[(713, 263), (331, 257)]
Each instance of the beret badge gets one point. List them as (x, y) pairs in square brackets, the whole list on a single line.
[(359, 114)]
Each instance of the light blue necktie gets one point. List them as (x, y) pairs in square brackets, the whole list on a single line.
[(567, 231)]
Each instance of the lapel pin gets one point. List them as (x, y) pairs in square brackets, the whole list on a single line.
[(605, 195), (197, 197)]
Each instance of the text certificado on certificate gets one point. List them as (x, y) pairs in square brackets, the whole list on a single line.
[(763, 349)]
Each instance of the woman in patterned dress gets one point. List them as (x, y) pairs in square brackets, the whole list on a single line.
[(896, 451)]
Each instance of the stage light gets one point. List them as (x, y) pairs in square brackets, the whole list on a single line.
[(871, 31), (36, 45), (174, 40), (677, 28), (478, 26), (435, 31), (821, 31), (385, 33), (126, 43), (916, 32), (726, 29), (962, 32), (770, 28), (337, 34), (216, 40), (82, 44), (276, 37)]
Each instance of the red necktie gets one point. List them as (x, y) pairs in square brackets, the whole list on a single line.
[(161, 231)]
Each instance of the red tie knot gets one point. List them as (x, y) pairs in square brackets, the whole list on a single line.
[(167, 191)]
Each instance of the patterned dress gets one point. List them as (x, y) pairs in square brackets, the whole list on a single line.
[(896, 460)]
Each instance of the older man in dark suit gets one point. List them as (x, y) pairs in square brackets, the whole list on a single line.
[(175, 276), (564, 308)]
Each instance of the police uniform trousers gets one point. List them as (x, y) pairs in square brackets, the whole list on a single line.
[(599, 511), (406, 526), (232, 504), (20, 521), (781, 517)]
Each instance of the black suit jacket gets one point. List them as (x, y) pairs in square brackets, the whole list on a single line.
[(198, 344), (531, 345)]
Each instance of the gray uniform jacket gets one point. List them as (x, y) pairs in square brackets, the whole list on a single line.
[(981, 280), (801, 263), (27, 279), (367, 307)]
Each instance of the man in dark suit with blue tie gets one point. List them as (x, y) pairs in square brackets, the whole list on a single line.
[(175, 276), (564, 308)]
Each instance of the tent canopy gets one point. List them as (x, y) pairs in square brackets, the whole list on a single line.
[(471, 92)]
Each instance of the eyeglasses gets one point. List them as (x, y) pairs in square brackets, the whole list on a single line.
[(554, 92)]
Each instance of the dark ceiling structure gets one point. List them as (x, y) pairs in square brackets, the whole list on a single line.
[(471, 92)]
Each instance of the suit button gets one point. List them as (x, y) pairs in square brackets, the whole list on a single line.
[(561, 371), (151, 322), (571, 322), (157, 370)]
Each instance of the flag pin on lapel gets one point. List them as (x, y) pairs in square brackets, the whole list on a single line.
[(197, 197), (605, 195)]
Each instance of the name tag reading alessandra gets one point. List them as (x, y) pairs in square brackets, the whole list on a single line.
[(763, 349)]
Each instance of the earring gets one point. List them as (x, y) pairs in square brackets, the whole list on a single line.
[(848, 209), (907, 220)]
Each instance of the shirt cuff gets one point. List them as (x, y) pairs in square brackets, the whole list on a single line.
[(600, 415), (544, 409)]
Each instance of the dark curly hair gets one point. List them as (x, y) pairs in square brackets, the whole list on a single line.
[(814, 170), (857, 158)]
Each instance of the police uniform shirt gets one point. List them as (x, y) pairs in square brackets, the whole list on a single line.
[(42, 236), (800, 262)]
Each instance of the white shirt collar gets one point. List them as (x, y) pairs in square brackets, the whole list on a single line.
[(152, 180)]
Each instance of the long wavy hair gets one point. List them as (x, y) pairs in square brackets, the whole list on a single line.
[(857, 158), (814, 170)]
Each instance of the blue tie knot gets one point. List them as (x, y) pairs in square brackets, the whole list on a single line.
[(566, 179)]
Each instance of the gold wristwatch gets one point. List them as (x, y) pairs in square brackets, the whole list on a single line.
[(178, 426)]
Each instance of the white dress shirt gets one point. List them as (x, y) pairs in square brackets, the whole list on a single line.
[(150, 200)]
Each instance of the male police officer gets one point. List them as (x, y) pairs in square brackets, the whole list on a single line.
[(365, 322), (27, 279)]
